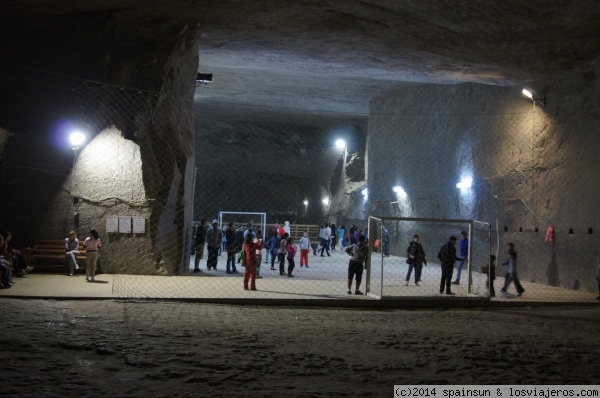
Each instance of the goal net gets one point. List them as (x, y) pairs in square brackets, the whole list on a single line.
[(390, 276)]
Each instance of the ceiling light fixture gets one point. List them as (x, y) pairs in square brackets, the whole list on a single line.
[(204, 78), (529, 95)]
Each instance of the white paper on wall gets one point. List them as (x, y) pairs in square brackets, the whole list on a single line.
[(139, 225), (112, 224), (125, 224)]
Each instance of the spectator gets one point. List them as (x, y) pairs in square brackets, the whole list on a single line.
[(250, 229), (511, 272), (342, 238), (351, 235), (213, 242), (268, 247), (72, 251), (325, 236), (492, 275), (282, 252), (386, 242), (415, 258), (92, 244), (5, 278), (223, 247), (464, 253), (359, 252), (357, 234), (230, 239), (199, 241), (251, 246), (447, 256), (291, 249), (14, 256), (273, 247), (333, 236), (259, 254), (304, 249)]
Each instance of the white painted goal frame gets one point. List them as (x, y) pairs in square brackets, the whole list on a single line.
[(263, 219), (378, 258)]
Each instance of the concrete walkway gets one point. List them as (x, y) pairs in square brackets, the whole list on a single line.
[(323, 283)]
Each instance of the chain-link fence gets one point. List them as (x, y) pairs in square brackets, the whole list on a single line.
[(157, 191)]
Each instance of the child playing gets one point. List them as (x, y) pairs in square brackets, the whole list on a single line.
[(291, 249), (304, 249)]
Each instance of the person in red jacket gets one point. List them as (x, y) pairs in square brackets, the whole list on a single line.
[(251, 246)]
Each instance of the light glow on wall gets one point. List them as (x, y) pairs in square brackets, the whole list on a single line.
[(76, 138), (527, 93), (399, 190), (465, 183), (340, 143)]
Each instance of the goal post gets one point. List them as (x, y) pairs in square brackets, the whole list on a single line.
[(244, 217), (389, 274)]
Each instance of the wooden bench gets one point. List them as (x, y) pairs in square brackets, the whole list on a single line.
[(49, 256)]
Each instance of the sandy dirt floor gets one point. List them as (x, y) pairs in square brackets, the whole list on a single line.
[(176, 349)]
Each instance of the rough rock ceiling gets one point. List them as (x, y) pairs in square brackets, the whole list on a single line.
[(328, 58)]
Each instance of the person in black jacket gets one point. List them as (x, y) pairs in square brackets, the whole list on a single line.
[(447, 256), (415, 258), (199, 241)]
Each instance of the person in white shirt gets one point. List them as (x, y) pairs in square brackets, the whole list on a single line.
[(325, 239), (92, 244), (304, 249)]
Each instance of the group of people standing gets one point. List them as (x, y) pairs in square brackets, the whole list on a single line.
[(211, 236), (450, 261), (331, 236), (245, 245)]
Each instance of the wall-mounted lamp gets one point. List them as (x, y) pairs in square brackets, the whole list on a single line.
[(306, 203), (465, 183), (204, 78), (76, 138), (340, 143), (529, 95), (399, 190), (326, 201)]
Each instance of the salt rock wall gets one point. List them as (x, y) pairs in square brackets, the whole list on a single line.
[(253, 166), (532, 167), (133, 75)]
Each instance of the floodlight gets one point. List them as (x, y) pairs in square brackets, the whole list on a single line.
[(529, 95), (76, 138), (399, 190), (465, 183)]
